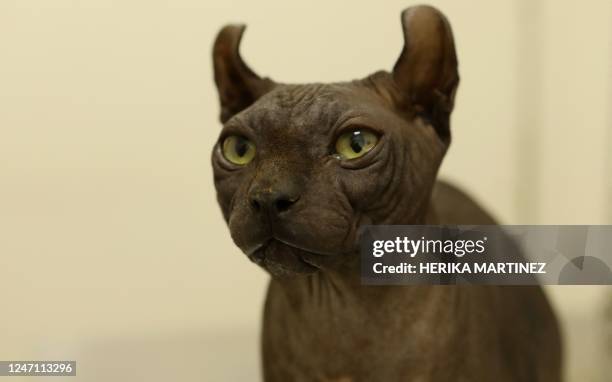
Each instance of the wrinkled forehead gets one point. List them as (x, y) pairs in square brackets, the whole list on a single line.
[(312, 108)]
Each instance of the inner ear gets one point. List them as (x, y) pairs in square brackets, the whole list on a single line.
[(426, 71), (237, 84)]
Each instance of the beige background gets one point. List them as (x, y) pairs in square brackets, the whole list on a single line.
[(112, 248)]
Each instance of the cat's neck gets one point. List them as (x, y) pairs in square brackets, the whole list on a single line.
[(341, 285), (320, 301)]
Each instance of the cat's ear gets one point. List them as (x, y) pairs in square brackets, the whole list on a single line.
[(426, 72), (237, 84)]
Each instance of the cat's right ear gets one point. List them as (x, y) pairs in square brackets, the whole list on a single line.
[(237, 84)]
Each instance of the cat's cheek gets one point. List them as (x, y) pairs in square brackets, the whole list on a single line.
[(365, 187), (361, 194), (227, 190)]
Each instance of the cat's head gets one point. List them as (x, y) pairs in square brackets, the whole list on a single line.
[(298, 168)]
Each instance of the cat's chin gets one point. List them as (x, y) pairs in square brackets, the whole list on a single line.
[(283, 260)]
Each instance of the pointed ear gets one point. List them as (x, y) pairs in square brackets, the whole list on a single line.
[(426, 71), (237, 84)]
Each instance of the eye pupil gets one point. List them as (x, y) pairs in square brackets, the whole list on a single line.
[(241, 147), (357, 141)]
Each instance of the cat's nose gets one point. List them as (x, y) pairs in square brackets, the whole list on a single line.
[(273, 201)]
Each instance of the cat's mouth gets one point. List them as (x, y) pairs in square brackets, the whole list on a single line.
[(282, 259)]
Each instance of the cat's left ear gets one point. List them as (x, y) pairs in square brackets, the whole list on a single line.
[(237, 84), (426, 72)]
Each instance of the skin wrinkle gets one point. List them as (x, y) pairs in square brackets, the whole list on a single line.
[(305, 99), (393, 190), (347, 203), (232, 202), (391, 187)]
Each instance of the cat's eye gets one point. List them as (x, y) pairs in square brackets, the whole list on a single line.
[(356, 143), (238, 150)]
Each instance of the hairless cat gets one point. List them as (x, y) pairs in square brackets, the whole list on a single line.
[(299, 168)]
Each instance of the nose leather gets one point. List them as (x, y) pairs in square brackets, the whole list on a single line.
[(274, 198)]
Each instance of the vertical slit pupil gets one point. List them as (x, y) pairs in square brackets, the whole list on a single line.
[(357, 141), (241, 147)]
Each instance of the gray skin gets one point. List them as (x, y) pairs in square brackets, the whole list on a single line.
[(296, 208)]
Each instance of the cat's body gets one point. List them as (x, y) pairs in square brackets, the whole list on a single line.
[(299, 168), (326, 327)]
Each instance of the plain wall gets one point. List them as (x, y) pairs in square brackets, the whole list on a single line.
[(110, 235)]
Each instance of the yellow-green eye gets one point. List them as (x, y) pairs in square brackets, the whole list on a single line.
[(238, 150), (356, 143)]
